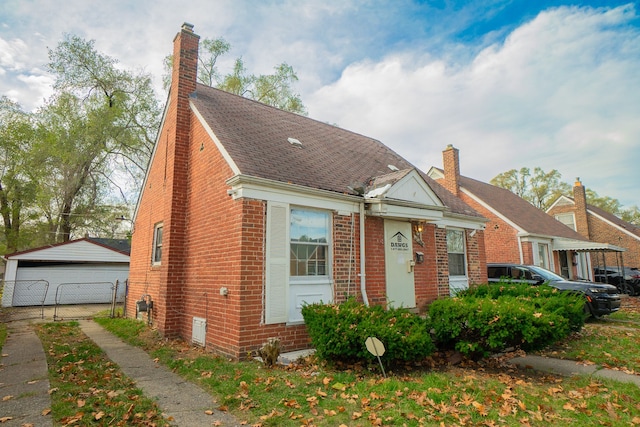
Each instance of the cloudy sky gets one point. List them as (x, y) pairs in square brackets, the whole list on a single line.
[(511, 83)]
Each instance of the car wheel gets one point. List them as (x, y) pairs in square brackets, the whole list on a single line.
[(588, 312), (627, 289)]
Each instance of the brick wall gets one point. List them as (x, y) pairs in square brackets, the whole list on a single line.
[(426, 274), (346, 257), (164, 197), (476, 258), (603, 232), (500, 238), (375, 261)]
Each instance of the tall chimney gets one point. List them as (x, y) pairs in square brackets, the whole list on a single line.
[(451, 164), (177, 137), (580, 199)]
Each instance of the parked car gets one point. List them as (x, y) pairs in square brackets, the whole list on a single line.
[(626, 279), (601, 298)]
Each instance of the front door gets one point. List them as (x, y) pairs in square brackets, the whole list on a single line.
[(399, 264)]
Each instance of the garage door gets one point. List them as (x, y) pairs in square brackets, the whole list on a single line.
[(86, 279)]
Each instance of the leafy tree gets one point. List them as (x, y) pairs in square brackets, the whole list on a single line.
[(74, 165), (97, 134), (540, 188), (631, 215), (18, 173), (271, 89)]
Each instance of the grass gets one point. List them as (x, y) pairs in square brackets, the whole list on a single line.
[(314, 394), (86, 387), (611, 343), (3, 335)]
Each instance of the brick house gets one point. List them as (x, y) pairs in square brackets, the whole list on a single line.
[(517, 231), (597, 224), (247, 212)]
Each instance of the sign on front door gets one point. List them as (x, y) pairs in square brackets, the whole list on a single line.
[(399, 264)]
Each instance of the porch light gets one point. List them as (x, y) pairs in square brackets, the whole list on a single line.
[(417, 233)]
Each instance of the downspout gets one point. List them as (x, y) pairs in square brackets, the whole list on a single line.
[(363, 281), (520, 249)]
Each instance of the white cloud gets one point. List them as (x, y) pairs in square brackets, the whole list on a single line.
[(560, 93), (13, 53)]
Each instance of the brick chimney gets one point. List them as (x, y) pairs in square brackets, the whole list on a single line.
[(580, 199), (177, 137), (451, 165)]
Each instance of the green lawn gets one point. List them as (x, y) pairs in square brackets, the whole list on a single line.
[(471, 394)]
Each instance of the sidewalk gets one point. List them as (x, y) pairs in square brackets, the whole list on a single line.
[(24, 381), (24, 384), (181, 402), (569, 368)]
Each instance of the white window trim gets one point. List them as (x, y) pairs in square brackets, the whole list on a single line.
[(277, 298), (156, 227), (466, 256), (567, 214)]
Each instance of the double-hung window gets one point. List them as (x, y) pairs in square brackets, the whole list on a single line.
[(156, 255), (456, 252), (309, 236), (298, 260)]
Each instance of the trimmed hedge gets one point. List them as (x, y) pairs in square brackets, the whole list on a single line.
[(479, 321), (543, 297), (492, 318), (339, 331)]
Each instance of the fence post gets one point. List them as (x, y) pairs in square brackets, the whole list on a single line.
[(114, 298)]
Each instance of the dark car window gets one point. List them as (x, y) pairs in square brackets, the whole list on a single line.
[(497, 272), (520, 273)]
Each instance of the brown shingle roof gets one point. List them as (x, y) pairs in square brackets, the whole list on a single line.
[(256, 137), (517, 210), (615, 220)]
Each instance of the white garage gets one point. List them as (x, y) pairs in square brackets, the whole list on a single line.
[(81, 271)]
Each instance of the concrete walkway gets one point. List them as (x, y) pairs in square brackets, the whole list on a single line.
[(24, 379), (24, 383), (570, 368), (182, 403)]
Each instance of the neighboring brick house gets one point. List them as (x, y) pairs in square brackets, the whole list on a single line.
[(517, 231), (597, 224), (247, 212)]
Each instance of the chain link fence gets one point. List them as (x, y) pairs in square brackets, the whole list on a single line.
[(24, 299), (27, 299)]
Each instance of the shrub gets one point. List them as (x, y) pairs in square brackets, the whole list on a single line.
[(339, 331), (493, 318), (570, 305)]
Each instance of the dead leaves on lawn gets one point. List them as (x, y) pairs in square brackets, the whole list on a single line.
[(476, 396), (89, 386)]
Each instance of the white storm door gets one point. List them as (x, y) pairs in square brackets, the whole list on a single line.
[(399, 264)]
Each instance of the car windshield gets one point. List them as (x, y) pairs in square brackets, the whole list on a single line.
[(546, 274)]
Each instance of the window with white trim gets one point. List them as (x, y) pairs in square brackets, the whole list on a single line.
[(567, 219), (456, 252), (298, 260), (543, 255), (309, 234), (156, 255)]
